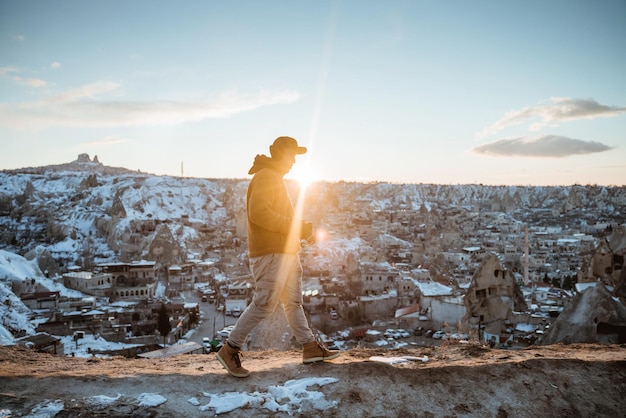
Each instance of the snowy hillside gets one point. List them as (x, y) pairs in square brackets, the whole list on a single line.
[(84, 213), (14, 315), (79, 211)]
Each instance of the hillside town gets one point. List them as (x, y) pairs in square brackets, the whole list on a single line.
[(385, 272)]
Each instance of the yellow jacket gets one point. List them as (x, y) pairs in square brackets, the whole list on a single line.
[(272, 227)]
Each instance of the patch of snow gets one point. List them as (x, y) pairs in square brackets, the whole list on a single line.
[(398, 360), (433, 288), (102, 400), (82, 346), (194, 401), (289, 397), (46, 409), (525, 327), (13, 315), (151, 399), (6, 338)]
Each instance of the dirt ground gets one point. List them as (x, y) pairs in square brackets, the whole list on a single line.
[(458, 380)]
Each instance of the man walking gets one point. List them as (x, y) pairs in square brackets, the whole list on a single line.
[(274, 236)]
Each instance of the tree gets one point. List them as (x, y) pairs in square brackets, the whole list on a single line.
[(193, 318), (163, 322), (569, 282)]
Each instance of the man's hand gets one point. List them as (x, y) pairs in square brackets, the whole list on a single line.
[(306, 230), (306, 234)]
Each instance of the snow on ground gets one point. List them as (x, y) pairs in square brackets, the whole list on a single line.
[(13, 316), (103, 400), (13, 266), (525, 327), (160, 290), (6, 338), (151, 399), (82, 346), (55, 286), (44, 409), (290, 397)]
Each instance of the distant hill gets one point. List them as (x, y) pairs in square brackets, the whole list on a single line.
[(83, 164), (85, 212)]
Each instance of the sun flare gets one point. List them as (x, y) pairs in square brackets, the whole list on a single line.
[(304, 175), (320, 235)]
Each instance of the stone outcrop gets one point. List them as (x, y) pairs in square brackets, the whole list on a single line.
[(493, 296), (592, 316)]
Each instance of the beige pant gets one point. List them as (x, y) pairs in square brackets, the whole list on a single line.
[(278, 278)]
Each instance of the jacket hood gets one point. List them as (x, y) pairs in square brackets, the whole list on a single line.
[(263, 161)]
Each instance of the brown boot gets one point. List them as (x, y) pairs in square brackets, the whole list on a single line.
[(229, 357), (315, 351)]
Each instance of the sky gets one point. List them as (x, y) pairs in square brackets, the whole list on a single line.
[(445, 92)]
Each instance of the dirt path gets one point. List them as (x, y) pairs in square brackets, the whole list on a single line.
[(457, 380)]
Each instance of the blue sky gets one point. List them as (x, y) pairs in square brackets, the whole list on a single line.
[(449, 92)]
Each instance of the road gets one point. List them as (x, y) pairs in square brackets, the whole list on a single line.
[(211, 321)]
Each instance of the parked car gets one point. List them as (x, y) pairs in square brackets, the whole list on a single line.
[(334, 314), (439, 334), (225, 332), (211, 346), (418, 331), (428, 333), (391, 333), (206, 342), (403, 333)]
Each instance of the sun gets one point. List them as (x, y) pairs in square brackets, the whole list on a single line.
[(304, 175)]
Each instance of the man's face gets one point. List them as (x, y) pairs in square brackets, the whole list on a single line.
[(287, 159)]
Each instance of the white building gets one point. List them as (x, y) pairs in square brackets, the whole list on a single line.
[(97, 284)]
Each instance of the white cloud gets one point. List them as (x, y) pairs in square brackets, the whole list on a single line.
[(88, 91), (33, 82), (55, 65), (541, 146), (7, 70), (556, 110), (18, 38), (87, 106)]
